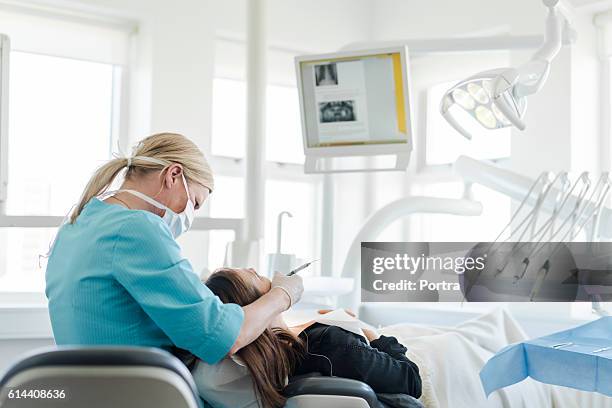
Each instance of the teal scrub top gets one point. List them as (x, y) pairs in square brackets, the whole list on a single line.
[(116, 276)]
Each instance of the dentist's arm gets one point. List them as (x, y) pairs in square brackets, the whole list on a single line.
[(286, 291)]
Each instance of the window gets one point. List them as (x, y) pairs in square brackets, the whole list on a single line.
[(298, 197), (64, 97), (284, 142), (287, 188), (229, 118), (19, 258), (226, 202), (299, 232), (61, 113), (60, 120), (283, 135)]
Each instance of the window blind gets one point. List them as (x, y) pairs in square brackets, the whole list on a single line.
[(65, 35)]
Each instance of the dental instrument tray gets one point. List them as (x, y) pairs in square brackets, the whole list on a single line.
[(579, 358)]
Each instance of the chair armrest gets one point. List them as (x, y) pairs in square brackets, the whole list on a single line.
[(400, 400), (321, 385)]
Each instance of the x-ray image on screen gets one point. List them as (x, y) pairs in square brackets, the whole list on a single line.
[(337, 111), (326, 75)]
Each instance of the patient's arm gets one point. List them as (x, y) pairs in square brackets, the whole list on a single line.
[(382, 365), (391, 346)]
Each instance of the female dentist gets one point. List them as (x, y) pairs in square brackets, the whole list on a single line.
[(115, 273)]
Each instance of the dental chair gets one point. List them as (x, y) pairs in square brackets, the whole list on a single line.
[(99, 377), (314, 390), (135, 377)]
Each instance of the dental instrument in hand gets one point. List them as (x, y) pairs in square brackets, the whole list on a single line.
[(299, 268)]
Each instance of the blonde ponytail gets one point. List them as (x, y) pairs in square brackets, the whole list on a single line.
[(99, 182), (166, 148)]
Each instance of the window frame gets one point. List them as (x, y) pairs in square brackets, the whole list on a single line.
[(4, 93)]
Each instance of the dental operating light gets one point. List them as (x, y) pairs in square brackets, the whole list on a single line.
[(497, 98)]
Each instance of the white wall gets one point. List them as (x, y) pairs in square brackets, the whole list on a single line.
[(311, 26), (393, 19), (12, 350), (22, 329), (586, 129), (295, 28), (546, 143), (564, 118)]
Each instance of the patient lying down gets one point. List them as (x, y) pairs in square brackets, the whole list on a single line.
[(281, 352)]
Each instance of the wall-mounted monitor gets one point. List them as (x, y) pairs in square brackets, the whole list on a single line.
[(355, 103)]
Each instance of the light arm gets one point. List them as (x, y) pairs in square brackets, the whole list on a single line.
[(553, 36)]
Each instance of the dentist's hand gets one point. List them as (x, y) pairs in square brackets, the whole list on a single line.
[(291, 285)]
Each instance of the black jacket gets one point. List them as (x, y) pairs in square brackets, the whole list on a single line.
[(382, 365)]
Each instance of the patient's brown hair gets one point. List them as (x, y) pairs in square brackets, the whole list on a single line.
[(272, 357)]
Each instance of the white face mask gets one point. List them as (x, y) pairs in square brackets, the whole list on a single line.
[(178, 223)]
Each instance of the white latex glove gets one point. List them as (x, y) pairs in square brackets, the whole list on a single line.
[(291, 285)]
